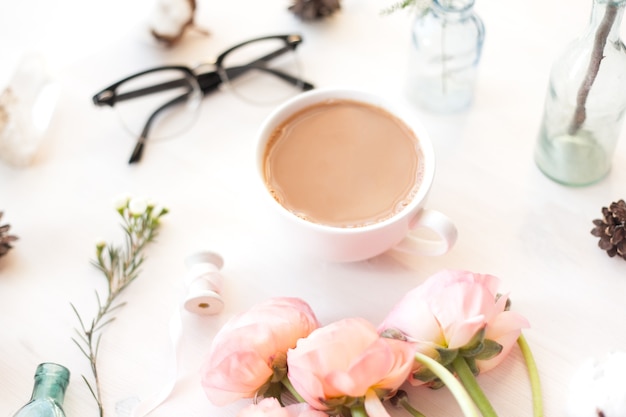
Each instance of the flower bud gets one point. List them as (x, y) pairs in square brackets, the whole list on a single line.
[(393, 333), (137, 206), (100, 245), (121, 202)]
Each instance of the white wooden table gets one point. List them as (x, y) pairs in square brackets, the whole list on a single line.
[(513, 222)]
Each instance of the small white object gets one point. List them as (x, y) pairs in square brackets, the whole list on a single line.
[(170, 18), (204, 284), (598, 389), (26, 108)]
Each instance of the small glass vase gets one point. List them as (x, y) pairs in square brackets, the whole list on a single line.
[(446, 46), (586, 102)]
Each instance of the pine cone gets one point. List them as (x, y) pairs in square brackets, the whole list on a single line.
[(612, 229), (5, 238), (314, 9)]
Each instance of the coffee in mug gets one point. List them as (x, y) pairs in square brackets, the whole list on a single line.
[(343, 163)]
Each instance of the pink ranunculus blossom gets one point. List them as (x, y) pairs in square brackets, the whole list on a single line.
[(250, 347), (450, 308), (347, 360), (270, 407)]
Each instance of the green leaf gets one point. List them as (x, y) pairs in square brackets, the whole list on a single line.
[(424, 374), (398, 6), (471, 363), (490, 350), (474, 346), (446, 356)]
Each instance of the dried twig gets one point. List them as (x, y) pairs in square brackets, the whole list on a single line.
[(580, 114)]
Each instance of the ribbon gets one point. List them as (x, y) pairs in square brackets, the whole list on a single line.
[(204, 285)]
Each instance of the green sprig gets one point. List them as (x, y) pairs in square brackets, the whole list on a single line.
[(418, 6), (120, 266)]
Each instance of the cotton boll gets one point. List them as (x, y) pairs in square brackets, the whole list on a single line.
[(597, 388), (170, 19)]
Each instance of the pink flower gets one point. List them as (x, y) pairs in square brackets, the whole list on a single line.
[(348, 360), (270, 407), (450, 308), (252, 346)]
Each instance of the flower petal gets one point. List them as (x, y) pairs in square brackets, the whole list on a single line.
[(373, 406)]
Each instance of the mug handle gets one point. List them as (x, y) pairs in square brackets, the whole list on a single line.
[(435, 221)]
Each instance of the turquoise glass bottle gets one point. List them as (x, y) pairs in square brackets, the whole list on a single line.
[(51, 381)]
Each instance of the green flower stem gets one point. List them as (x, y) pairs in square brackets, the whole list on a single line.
[(469, 382), (533, 374), (287, 383), (460, 394)]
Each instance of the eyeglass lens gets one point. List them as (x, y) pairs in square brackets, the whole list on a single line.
[(261, 81), (166, 112)]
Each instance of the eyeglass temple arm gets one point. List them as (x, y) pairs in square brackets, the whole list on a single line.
[(209, 81), (107, 97), (259, 63), (139, 147), (235, 72)]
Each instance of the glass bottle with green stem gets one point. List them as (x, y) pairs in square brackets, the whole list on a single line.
[(586, 102), (51, 381)]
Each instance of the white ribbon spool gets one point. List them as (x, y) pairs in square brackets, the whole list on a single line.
[(204, 284)]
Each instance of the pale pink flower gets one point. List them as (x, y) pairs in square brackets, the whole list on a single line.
[(270, 407), (246, 351), (348, 360), (450, 308)]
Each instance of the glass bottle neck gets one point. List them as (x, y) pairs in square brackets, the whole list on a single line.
[(453, 9), (49, 389), (607, 15), (51, 381)]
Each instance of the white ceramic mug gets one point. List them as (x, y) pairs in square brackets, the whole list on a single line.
[(339, 244)]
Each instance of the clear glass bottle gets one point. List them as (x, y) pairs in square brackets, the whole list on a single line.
[(446, 45), (586, 102), (51, 381)]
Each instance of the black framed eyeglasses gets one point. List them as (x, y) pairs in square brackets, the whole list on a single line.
[(164, 101)]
